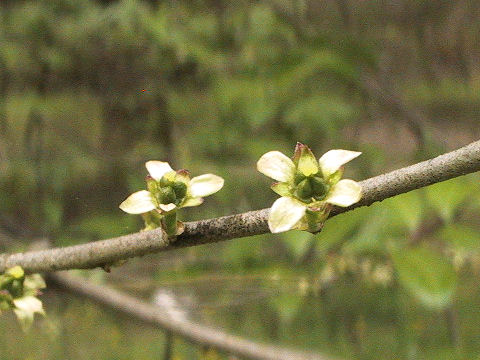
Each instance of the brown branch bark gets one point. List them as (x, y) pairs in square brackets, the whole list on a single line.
[(100, 253)]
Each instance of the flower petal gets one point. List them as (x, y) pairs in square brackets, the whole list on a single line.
[(167, 207), (344, 193), (157, 168), (285, 214), (276, 165), (192, 202), (332, 160), (33, 282), (25, 308), (29, 304), (205, 185), (138, 203)]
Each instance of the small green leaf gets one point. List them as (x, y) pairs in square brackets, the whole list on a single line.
[(304, 189), (428, 276), (282, 189), (180, 189), (16, 272)]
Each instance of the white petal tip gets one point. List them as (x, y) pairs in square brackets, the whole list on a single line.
[(332, 160), (205, 185), (167, 207), (285, 214), (345, 193), (277, 166), (138, 203), (157, 169)]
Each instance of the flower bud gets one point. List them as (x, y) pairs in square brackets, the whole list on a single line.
[(5, 296), (180, 189), (16, 288), (304, 189), (319, 187), (164, 182), (167, 195), (299, 177)]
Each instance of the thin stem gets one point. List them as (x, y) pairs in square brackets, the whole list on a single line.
[(169, 223)]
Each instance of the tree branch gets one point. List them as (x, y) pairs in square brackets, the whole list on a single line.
[(199, 334), (100, 253), (157, 316)]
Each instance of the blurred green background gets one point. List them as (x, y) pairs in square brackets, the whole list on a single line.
[(91, 90)]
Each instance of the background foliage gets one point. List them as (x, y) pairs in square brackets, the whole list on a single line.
[(91, 90)]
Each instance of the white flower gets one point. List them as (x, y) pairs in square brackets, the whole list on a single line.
[(196, 188), (26, 304), (307, 186), (25, 309), (169, 190)]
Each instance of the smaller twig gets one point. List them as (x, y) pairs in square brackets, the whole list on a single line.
[(168, 352), (196, 333), (451, 317)]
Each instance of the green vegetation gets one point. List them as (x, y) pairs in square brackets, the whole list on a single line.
[(91, 90)]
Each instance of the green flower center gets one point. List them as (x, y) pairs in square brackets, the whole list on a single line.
[(310, 188), (167, 191)]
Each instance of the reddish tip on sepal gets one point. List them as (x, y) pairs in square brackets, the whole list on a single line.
[(183, 172), (298, 152), (301, 150)]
